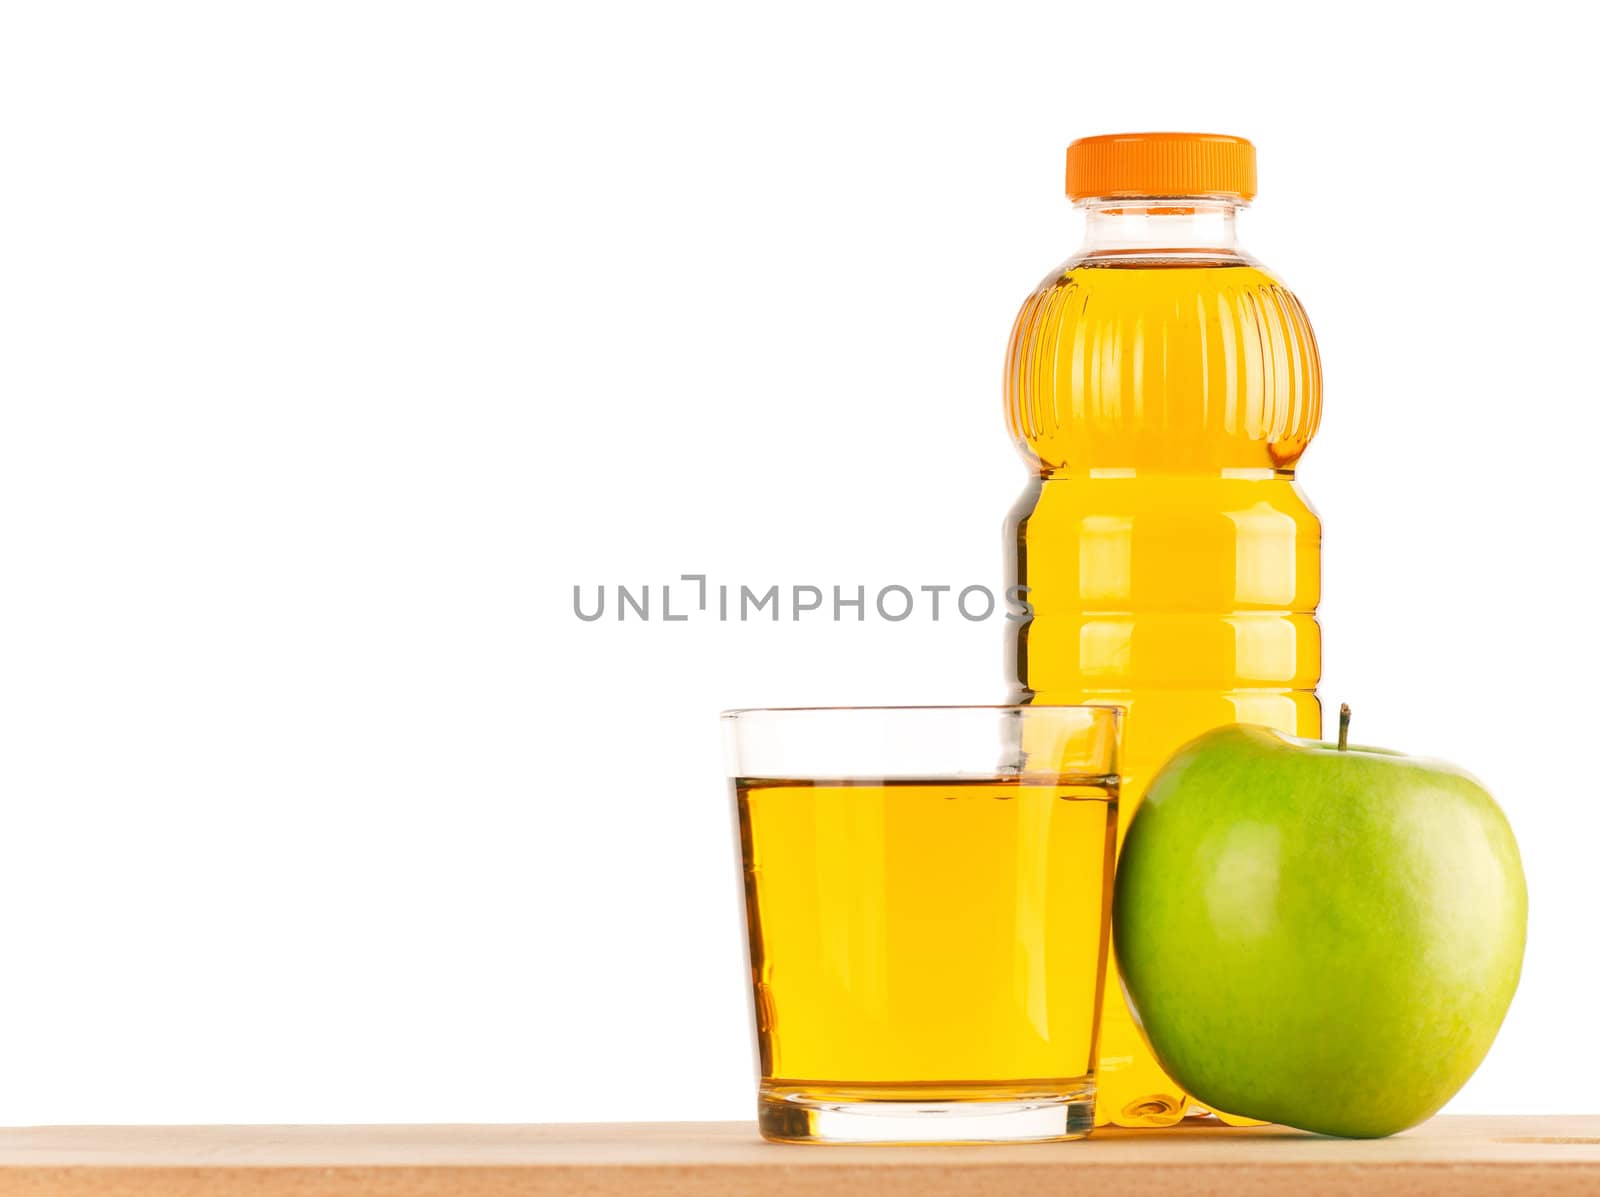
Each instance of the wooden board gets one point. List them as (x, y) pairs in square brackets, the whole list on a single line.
[(1550, 1156)]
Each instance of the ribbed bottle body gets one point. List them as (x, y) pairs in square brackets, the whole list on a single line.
[(1163, 366), (1170, 560)]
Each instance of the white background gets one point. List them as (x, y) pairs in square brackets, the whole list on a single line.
[(339, 341)]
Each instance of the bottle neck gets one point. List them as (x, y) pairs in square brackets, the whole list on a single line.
[(1160, 227)]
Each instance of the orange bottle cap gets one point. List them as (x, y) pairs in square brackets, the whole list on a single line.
[(1161, 164)]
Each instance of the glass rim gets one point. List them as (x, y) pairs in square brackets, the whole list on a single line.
[(924, 741), (1110, 708)]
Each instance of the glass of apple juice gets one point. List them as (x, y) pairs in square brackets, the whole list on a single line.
[(927, 896)]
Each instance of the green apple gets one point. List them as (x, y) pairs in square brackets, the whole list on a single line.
[(1320, 935)]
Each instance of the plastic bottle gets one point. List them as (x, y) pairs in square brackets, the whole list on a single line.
[(1162, 384)]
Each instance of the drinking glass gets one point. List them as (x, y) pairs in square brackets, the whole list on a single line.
[(927, 895)]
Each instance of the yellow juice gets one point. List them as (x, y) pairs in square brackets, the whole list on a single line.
[(1172, 564), (933, 940)]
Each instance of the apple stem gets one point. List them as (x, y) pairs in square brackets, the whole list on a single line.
[(1344, 726)]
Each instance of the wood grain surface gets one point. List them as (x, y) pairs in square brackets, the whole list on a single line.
[(1551, 1156)]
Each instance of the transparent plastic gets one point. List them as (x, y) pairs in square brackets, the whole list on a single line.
[(1162, 385)]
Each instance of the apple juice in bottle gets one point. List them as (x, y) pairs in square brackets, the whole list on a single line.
[(1162, 384)]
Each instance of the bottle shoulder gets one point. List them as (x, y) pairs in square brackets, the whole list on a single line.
[(1167, 361), (1156, 271)]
